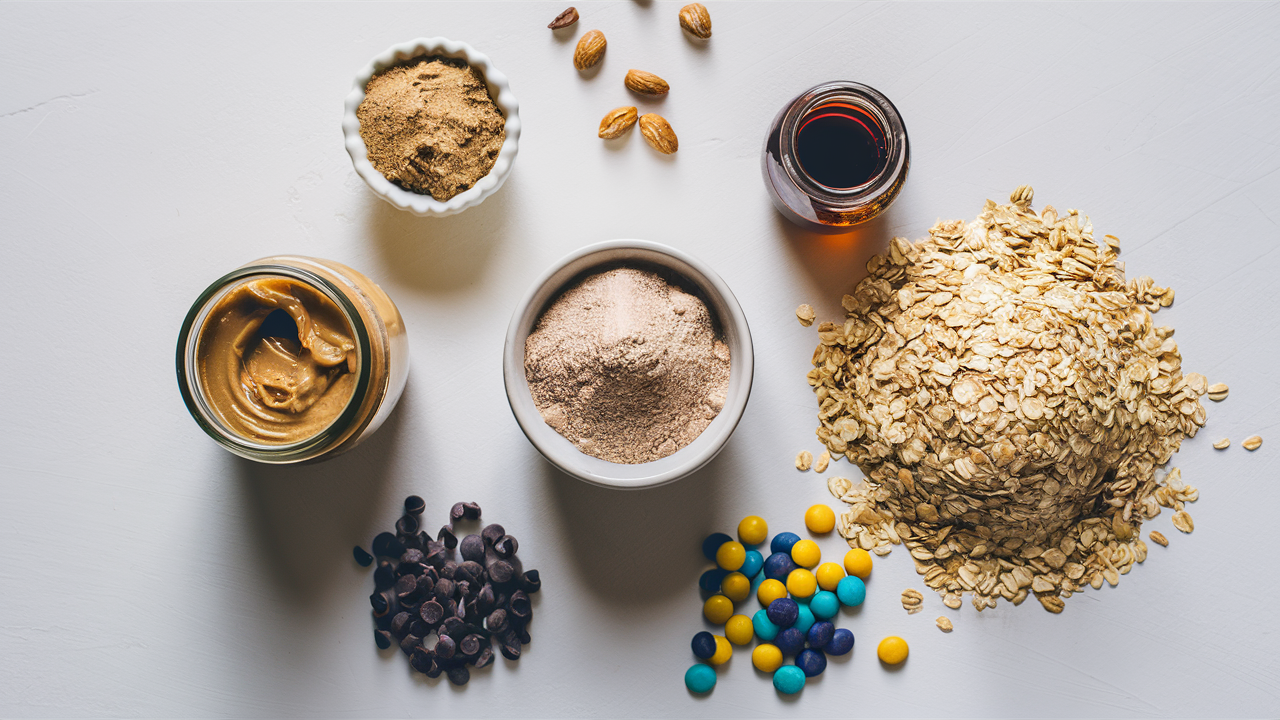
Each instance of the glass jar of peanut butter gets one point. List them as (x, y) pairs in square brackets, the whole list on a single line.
[(289, 359)]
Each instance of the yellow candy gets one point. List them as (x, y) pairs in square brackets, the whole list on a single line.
[(739, 630), (753, 530), (769, 591), (735, 586), (718, 609), (766, 657), (820, 519), (857, 562), (801, 583), (731, 555), (806, 553), (892, 650), (829, 575), (724, 651)]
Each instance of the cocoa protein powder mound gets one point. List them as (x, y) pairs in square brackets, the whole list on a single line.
[(430, 126)]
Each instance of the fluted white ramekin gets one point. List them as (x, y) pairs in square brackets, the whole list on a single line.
[(498, 90)]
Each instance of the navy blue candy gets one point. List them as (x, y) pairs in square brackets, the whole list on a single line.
[(812, 662), (713, 543), (820, 634), (752, 564), (782, 542), (790, 641), (710, 580), (778, 566), (783, 612), (704, 645), (840, 643)]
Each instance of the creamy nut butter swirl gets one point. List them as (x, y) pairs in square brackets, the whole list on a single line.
[(277, 360)]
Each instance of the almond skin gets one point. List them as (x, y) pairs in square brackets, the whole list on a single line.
[(617, 121), (590, 50), (645, 83), (695, 18), (658, 133)]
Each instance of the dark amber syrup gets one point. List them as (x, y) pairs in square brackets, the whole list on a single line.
[(841, 146)]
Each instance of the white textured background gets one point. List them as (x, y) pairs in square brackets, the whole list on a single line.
[(147, 149)]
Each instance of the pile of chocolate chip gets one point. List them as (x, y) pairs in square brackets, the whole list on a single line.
[(422, 591)]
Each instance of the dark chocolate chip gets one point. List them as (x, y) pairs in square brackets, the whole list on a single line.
[(446, 570), (454, 627), (522, 633), (412, 556), (400, 624), (426, 585), (414, 505), (435, 554), (411, 541), (456, 512), (470, 511), (501, 572), (407, 525), (491, 533), (382, 638), (485, 657), (409, 642), (510, 646), (406, 586), (463, 587), (497, 621), (382, 622), (519, 605), (384, 577), (470, 645), (506, 547), (387, 545), (379, 603), (485, 600), (447, 537), (362, 556), (435, 669), (531, 582), (461, 574), (431, 612), (420, 659), (444, 589), (472, 548), (461, 612), (475, 570), (419, 628), (458, 675), (445, 647)]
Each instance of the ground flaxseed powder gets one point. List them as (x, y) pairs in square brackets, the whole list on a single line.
[(430, 126)]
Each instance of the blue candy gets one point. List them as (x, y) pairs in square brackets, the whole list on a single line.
[(752, 564), (790, 641), (713, 543), (710, 580), (704, 645), (783, 612), (782, 542), (764, 627), (788, 679), (825, 605), (851, 590), (804, 618), (820, 634), (778, 566), (811, 662), (840, 643), (700, 678)]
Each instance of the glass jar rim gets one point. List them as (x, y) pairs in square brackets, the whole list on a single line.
[(197, 403)]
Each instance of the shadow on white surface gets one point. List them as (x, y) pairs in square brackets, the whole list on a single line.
[(835, 264)]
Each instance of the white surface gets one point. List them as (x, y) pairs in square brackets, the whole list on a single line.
[(147, 149)]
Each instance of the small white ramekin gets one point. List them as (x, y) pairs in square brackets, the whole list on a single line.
[(723, 306), (498, 90)]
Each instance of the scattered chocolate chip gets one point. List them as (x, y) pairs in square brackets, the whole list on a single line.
[(456, 512), (475, 570), (470, 645), (400, 624), (519, 605), (564, 19), (484, 658), (426, 586), (409, 642), (462, 587), (501, 572), (458, 675), (461, 612), (447, 537), (454, 628), (531, 582), (420, 659), (497, 621), (382, 638), (414, 505), (431, 612), (362, 556), (380, 603), (435, 554), (470, 511), (445, 647), (491, 533), (419, 628), (410, 541), (407, 525), (387, 545), (384, 577), (472, 548), (444, 589), (509, 645), (522, 634), (462, 574), (412, 556), (485, 600), (506, 546), (446, 570)]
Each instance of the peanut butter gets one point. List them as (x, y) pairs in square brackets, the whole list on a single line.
[(277, 361)]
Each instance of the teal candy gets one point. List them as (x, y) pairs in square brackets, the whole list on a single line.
[(804, 619), (851, 591), (764, 627), (701, 678), (788, 679), (824, 605), (757, 582), (752, 564)]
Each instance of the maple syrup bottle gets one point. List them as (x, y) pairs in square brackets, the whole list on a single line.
[(835, 156)]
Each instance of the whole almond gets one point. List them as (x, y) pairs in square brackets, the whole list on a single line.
[(645, 83), (565, 19), (617, 121), (658, 133), (695, 18), (590, 50)]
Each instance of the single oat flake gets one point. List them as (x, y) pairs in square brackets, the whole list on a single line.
[(805, 315), (1158, 538), (1009, 397), (1218, 392), (804, 460), (1222, 444), (1253, 442), (820, 465), (944, 624)]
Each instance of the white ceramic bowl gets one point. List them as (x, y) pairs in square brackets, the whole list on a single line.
[(723, 306), (498, 90)]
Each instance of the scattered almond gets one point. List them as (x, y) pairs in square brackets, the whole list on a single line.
[(564, 19), (658, 133), (696, 20), (1253, 442), (645, 83), (590, 50), (805, 315), (1222, 444), (1158, 538), (617, 121)]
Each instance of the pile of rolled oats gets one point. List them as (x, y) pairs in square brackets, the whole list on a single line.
[(1009, 400)]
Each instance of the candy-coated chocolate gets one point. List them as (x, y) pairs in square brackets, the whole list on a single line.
[(735, 586), (778, 565), (752, 564), (700, 678), (820, 519), (804, 554), (769, 591), (731, 555), (820, 634), (704, 645), (804, 618), (857, 562), (739, 630), (801, 583), (790, 641), (766, 657), (713, 543), (851, 591), (811, 662), (892, 650), (717, 609), (783, 612), (824, 605), (724, 651), (764, 627), (753, 530), (711, 579), (782, 542), (788, 680), (829, 575), (840, 643)]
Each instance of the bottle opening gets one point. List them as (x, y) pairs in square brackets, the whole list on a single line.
[(841, 146)]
